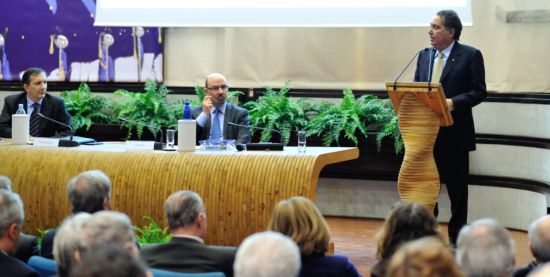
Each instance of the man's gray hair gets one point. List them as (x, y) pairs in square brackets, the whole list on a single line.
[(67, 241), (88, 190), (11, 210), (108, 227), (267, 254), (485, 248), (540, 239), (5, 183), (182, 208)]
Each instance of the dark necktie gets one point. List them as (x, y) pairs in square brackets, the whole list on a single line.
[(35, 120), (216, 133)]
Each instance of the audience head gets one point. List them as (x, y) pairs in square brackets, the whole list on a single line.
[(5, 183), (484, 248), (109, 260), (267, 254), (67, 243), (109, 227), (185, 212), (406, 222), (11, 220), (539, 239), (424, 257), (89, 192), (216, 87), (299, 219)]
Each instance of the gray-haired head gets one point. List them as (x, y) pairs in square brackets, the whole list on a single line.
[(68, 241), (89, 192), (182, 208), (11, 211), (5, 183), (539, 237), (256, 255), (108, 227), (484, 248)]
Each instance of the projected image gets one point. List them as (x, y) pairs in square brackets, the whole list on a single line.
[(59, 36)]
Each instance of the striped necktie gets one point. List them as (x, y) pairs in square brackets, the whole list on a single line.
[(216, 133), (35, 120), (438, 67)]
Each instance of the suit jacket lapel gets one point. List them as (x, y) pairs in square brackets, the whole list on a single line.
[(228, 110), (451, 60)]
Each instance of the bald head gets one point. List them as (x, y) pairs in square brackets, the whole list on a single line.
[(216, 88)]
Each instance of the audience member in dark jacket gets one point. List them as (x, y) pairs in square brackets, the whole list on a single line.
[(539, 244)]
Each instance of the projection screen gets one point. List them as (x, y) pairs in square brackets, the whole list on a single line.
[(275, 13)]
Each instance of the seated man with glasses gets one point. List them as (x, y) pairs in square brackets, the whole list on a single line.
[(215, 114)]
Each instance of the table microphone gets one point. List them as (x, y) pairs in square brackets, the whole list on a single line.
[(63, 142), (262, 145), (158, 145)]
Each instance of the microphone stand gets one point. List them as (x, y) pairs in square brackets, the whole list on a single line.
[(62, 142), (402, 71)]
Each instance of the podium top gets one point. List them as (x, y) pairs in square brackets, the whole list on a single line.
[(431, 94)]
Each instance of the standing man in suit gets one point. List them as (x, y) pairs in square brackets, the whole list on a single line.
[(11, 222), (216, 112), (186, 252), (36, 100), (459, 68)]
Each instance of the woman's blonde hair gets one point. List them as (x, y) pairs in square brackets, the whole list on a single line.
[(299, 219), (425, 257)]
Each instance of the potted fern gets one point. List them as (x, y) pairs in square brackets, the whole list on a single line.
[(136, 110), (352, 120), (86, 108), (276, 111)]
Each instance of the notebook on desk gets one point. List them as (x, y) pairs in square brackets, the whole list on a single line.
[(80, 140)]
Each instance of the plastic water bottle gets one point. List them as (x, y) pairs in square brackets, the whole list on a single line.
[(187, 111), (20, 109)]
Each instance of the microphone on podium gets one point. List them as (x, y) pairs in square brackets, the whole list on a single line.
[(63, 142), (407, 66), (277, 146), (158, 145)]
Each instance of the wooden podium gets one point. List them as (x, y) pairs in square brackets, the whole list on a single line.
[(421, 108)]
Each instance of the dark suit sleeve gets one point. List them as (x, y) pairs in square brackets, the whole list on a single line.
[(62, 115), (243, 135), (28, 247), (5, 121), (478, 91)]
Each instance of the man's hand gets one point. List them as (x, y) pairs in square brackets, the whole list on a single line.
[(207, 105), (450, 104)]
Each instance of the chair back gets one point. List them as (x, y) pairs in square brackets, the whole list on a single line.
[(166, 273), (44, 267)]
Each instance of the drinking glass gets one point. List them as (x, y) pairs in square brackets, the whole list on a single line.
[(302, 141), (170, 137)]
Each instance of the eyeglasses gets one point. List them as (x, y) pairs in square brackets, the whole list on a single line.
[(222, 87)]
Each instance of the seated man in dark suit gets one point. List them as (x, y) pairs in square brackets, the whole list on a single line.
[(186, 252), (28, 245), (35, 100), (11, 222), (215, 113), (88, 192)]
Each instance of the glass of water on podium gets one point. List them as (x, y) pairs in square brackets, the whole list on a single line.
[(302, 138)]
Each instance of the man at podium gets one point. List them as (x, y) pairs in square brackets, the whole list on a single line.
[(460, 70)]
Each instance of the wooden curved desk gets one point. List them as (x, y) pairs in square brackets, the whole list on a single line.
[(239, 189)]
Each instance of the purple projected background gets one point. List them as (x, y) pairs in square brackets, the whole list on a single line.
[(33, 35)]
